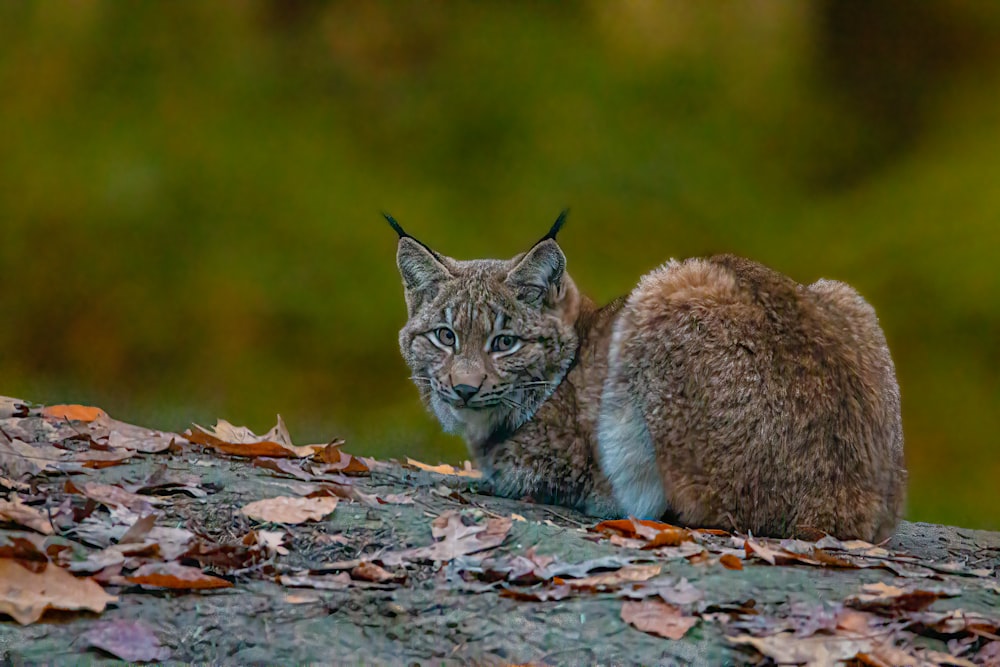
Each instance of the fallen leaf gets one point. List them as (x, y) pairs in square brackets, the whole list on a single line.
[(301, 599), (80, 413), (658, 618), (616, 579), (20, 459), (345, 491), (763, 551), (97, 459), (654, 534), (731, 562), (15, 511), (455, 538), (285, 509), (395, 499), (270, 540), (115, 496), (13, 407), (11, 485), (129, 640), (444, 469), (884, 598), (680, 593), (175, 576), (331, 459), (283, 466), (546, 594), (27, 549), (241, 441), (147, 441), (327, 582), (815, 651), (366, 571), (26, 595)]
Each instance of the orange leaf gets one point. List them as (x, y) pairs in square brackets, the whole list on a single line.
[(176, 576), (632, 527), (80, 413), (731, 562), (241, 441), (670, 537), (338, 461), (445, 469)]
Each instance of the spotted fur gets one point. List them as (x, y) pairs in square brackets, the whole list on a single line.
[(718, 393)]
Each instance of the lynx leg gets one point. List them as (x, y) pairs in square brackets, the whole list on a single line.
[(625, 449)]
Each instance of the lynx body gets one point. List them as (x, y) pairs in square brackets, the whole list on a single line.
[(718, 393)]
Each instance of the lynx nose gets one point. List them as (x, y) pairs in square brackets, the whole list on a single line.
[(465, 391)]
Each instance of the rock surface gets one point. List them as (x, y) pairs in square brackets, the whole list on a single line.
[(456, 611)]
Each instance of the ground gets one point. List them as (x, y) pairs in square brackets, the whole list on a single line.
[(413, 566)]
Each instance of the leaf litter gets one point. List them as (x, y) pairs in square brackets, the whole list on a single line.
[(118, 537)]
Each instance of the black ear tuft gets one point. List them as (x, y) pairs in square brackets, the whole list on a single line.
[(396, 227), (560, 221)]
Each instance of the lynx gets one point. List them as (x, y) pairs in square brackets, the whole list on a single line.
[(718, 393)]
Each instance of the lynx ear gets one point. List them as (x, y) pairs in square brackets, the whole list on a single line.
[(537, 277), (421, 269)]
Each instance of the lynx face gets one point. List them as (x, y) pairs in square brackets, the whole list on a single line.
[(487, 341)]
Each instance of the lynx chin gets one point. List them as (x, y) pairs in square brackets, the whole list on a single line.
[(717, 393)]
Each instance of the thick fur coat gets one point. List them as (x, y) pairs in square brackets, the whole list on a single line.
[(718, 393)]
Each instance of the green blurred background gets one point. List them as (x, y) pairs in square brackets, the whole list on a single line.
[(190, 191)]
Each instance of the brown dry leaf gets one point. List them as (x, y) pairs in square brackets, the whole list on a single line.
[(630, 527), (548, 594), (127, 639), (284, 466), (175, 576), (402, 499), (285, 509), (148, 441), (79, 413), (731, 562), (816, 651), (331, 459), (327, 582), (25, 548), (366, 571), (658, 618), (13, 407), (20, 459), (115, 496), (25, 595), (11, 485), (883, 598), (626, 575), (241, 441), (670, 537), (654, 534), (15, 511), (444, 469), (301, 599), (345, 491), (455, 538), (270, 540), (97, 459), (761, 550)]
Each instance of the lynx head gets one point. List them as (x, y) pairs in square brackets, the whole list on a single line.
[(487, 340)]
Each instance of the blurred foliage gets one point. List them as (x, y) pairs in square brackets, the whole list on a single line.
[(190, 192)]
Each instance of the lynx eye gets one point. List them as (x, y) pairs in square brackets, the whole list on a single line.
[(445, 336), (503, 343)]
